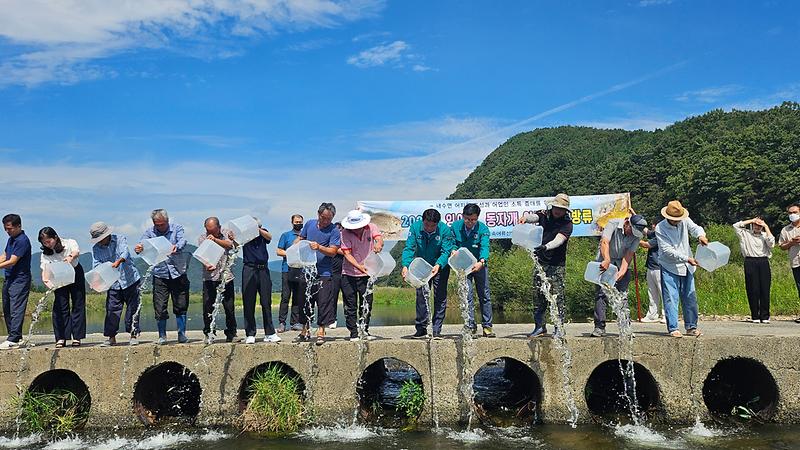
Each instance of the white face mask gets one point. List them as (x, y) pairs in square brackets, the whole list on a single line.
[(794, 217)]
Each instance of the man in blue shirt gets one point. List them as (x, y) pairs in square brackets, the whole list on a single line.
[(473, 235), (169, 277), (292, 280), (113, 248), (324, 237), (16, 261), (256, 280)]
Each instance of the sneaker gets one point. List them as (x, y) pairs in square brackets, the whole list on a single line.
[(331, 326), (487, 332), (648, 319), (134, 340), (751, 320), (162, 340), (694, 332), (182, 339), (209, 339), (420, 333), (369, 337), (109, 342), (354, 339), (764, 320), (281, 328), (437, 335), (8, 345), (250, 340), (273, 338), (538, 332), (598, 332), (797, 320), (662, 319)]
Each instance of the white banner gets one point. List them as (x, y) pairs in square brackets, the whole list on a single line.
[(589, 213)]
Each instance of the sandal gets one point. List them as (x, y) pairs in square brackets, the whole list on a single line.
[(694, 332), (320, 339), (60, 344), (676, 334), (76, 343)]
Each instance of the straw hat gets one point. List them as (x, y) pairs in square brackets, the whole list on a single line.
[(674, 211), (560, 201), (99, 231), (355, 219)]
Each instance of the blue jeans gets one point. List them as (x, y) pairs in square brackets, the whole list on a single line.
[(674, 288), (481, 279)]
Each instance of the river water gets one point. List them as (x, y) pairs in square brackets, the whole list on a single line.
[(594, 437)]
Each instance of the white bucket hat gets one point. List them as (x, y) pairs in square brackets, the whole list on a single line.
[(355, 219), (99, 231)]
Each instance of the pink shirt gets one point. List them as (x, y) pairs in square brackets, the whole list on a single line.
[(359, 247)]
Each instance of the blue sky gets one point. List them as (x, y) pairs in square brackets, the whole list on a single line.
[(222, 107)]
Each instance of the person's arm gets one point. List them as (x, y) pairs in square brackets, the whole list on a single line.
[(377, 241), (180, 239), (448, 244), (623, 265), (281, 248), (43, 261), (529, 218), (348, 255), (696, 231), (223, 242), (265, 234), (9, 262), (74, 253), (605, 253), (410, 250), (138, 247), (122, 253), (16, 253), (484, 253)]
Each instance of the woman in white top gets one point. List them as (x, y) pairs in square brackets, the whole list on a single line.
[(756, 242), (69, 321)]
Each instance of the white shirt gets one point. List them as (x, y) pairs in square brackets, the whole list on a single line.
[(673, 245), (70, 247), (754, 245)]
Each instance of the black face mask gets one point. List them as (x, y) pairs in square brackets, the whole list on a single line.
[(297, 226)]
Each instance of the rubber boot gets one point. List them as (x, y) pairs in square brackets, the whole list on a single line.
[(181, 321), (162, 332)]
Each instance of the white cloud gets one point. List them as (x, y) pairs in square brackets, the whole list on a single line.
[(380, 55), (646, 3), (420, 68), (616, 123), (56, 41), (710, 94)]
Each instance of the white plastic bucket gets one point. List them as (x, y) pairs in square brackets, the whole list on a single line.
[(462, 260), (379, 264), (102, 277), (58, 274), (419, 272), (244, 229), (593, 274), (527, 235), (712, 256), (300, 255), (209, 253), (155, 250)]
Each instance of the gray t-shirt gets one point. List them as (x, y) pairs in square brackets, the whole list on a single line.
[(618, 243)]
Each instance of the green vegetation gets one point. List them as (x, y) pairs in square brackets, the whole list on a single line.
[(411, 400), (276, 402), (57, 412)]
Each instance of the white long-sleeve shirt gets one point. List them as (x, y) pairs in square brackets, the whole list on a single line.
[(674, 250), (754, 245)]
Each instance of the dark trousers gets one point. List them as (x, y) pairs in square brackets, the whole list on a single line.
[(757, 283), (438, 285), (116, 299), (324, 299), (601, 301), (481, 279), (15, 301), (69, 321), (354, 289), (163, 289), (210, 298), (256, 281), (336, 278), (294, 290), (796, 273)]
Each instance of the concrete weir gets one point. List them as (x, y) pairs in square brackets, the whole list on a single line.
[(677, 379)]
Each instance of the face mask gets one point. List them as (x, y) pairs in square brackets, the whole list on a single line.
[(637, 232), (794, 217), (297, 226)]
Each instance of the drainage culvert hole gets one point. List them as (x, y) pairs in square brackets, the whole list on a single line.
[(606, 394), (740, 389), (390, 393), (271, 399), (507, 393), (56, 403), (167, 392)]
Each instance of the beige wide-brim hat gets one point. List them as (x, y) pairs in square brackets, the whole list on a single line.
[(560, 201), (355, 219), (99, 231), (674, 211)]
